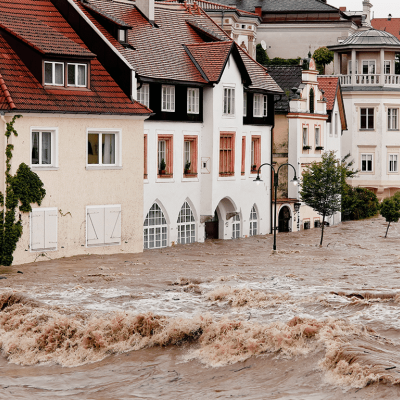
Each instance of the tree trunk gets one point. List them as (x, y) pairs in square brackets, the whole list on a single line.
[(322, 230), (387, 229)]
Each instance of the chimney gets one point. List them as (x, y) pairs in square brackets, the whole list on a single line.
[(367, 11), (342, 9), (147, 8), (389, 17), (258, 11)]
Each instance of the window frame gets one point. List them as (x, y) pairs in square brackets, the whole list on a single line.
[(243, 164), (186, 225), (317, 129), (260, 105), (54, 148), (228, 101), (305, 139), (65, 84), (366, 170), (193, 154), (53, 63), (367, 116), (44, 209), (236, 227), (124, 33), (385, 64), (76, 75), (244, 104), (368, 63), (143, 94), (255, 153), (193, 100), (145, 138), (391, 118), (164, 228), (396, 161), (169, 155), (168, 91), (118, 148), (226, 155), (253, 231)]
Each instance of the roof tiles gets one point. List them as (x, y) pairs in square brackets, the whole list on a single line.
[(330, 86)]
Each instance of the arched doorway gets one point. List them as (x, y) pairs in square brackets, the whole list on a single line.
[(155, 230), (212, 227), (186, 225), (284, 219)]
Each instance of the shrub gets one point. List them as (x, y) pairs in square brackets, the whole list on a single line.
[(358, 203)]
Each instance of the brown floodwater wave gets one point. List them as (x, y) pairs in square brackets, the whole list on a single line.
[(353, 355)]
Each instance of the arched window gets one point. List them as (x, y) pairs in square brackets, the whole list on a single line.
[(312, 99), (236, 227), (253, 221), (155, 228), (186, 225)]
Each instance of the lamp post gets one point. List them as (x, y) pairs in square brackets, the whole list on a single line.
[(258, 180)]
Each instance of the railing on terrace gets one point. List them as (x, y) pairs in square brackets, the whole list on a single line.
[(369, 80)]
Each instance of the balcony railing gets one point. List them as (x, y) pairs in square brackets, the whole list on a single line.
[(370, 80)]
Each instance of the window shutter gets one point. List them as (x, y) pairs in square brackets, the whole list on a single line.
[(95, 226), (112, 224), (50, 229), (37, 230)]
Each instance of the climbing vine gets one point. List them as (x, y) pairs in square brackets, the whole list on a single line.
[(22, 189)]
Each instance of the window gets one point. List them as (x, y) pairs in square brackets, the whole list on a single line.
[(331, 128), (155, 228), (103, 225), (393, 163), (387, 67), (143, 95), (227, 154), (186, 225), (122, 35), (54, 73), (243, 169), (260, 105), (317, 137), (367, 118), (168, 98), (366, 162), (337, 125), (236, 227), (103, 148), (77, 75), (255, 153), (350, 68), (305, 136), (393, 119), (165, 156), (190, 155), (244, 104), (229, 101), (368, 67), (43, 224), (145, 157), (193, 96), (312, 100), (43, 148), (253, 221)]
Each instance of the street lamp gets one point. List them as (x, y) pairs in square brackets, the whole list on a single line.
[(295, 181)]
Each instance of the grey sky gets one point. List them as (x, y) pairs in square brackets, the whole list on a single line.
[(381, 8)]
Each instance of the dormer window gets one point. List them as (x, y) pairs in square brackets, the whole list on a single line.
[(77, 75), (54, 73), (122, 35)]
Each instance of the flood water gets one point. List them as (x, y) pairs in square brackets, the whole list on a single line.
[(218, 320)]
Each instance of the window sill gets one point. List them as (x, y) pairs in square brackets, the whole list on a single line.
[(191, 175), (97, 167), (171, 111), (43, 250), (43, 168), (393, 130), (165, 176), (366, 130), (190, 178), (227, 178), (103, 245), (166, 179), (229, 116)]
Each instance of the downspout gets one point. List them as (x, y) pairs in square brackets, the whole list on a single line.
[(4, 175)]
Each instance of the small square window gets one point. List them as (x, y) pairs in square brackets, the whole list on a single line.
[(77, 75), (168, 98), (54, 73), (43, 148), (193, 99), (260, 105), (103, 149), (367, 118)]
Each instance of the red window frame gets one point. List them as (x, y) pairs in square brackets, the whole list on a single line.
[(256, 142), (169, 156), (243, 170), (145, 158), (227, 154), (192, 139)]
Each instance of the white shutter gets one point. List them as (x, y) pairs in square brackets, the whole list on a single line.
[(95, 225), (50, 229), (37, 230), (112, 224)]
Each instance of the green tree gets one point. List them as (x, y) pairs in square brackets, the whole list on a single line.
[(261, 55), (321, 187), (322, 57), (390, 210)]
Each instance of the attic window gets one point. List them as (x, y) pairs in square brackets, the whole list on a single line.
[(77, 75), (122, 35), (54, 73)]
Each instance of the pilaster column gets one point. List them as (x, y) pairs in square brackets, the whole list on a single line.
[(336, 64), (382, 77), (353, 67)]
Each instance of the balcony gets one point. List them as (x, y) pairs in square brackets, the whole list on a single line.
[(370, 80)]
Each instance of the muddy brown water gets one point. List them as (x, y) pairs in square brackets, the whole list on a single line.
[(222, 319)]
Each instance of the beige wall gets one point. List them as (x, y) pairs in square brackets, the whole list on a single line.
[(72, 187)]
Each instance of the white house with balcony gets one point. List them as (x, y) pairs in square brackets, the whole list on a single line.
[(366, 65)]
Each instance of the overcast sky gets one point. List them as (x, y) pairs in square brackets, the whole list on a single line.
[(381, 8)]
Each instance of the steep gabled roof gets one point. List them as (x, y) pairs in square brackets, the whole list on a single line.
[(20, 91)]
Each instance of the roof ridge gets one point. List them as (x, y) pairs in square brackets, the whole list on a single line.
[(211, 43), (6, 92)]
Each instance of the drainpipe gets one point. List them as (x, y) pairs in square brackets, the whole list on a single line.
[(5, 144)]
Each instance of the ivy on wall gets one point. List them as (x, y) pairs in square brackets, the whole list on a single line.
[(22, 189)]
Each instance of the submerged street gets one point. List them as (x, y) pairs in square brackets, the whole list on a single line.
[(221, 319)]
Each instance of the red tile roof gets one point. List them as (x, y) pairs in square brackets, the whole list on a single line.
[(383, 24), (330, 86), (21, 91)]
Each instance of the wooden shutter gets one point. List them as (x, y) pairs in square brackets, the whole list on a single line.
[(112, 224), (95, 225), (37, 230), (50, 229)]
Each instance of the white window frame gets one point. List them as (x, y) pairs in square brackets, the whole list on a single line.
[(260, 105), (367, 126), (244, 104), (317, 135), (122, 35), (253, 221), (305, 137), (369, 64), (168, 98), (118, 148), (49, 211), (143, 94), (366, 156), (186, 226), (193, 100), (76, 74), (107, 241), (385, 63), (393, 119), (337, 124), (393, 166), (161, 151), (228, 103), (349, 69), (53, 75), (236, 227), (162, 227), (54, 147)]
